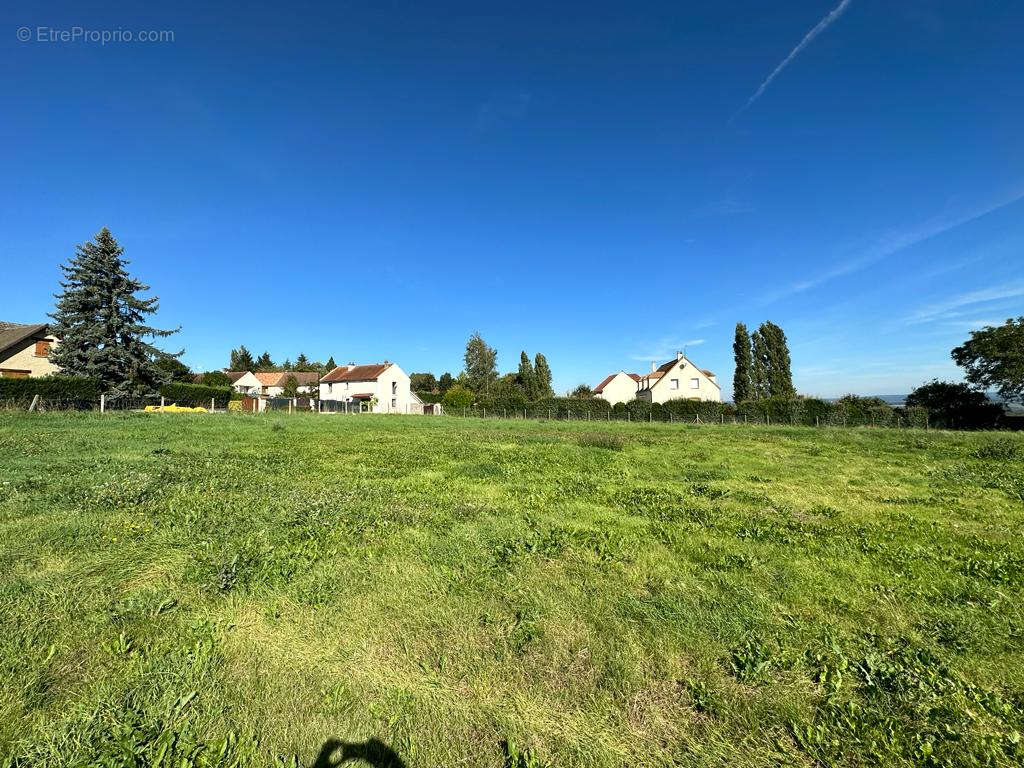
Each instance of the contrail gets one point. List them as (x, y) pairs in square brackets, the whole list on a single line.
[(820, 27)]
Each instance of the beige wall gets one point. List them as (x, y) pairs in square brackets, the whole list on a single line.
[(25, 360), (620, 389), (685, 372)]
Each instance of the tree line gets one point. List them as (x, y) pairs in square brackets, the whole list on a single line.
[(241, 359), (530, 382)]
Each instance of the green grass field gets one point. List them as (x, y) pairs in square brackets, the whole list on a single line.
[(234, 591)]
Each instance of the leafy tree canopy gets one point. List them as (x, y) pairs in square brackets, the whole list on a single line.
[(994, 358)]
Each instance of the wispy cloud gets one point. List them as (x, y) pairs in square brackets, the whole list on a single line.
[(947, 308), (820, 27), (895, 241)]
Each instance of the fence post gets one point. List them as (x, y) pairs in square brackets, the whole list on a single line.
[(213, 405), (697, 421), (161, 402), (816, 422), (103, 402), (549, 414), (769, 417)]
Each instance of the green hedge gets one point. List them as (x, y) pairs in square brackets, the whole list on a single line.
[(849, 411), (82, 392), (195, 394)]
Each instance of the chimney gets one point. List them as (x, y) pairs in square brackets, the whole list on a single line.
[(679, 355), (654, 366)]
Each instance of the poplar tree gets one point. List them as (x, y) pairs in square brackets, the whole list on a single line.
[(759, 366), (742, 387), (779, 366), (527, 376), (542, 375), (101, 322)]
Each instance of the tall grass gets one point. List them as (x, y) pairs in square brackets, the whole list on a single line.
[(241, 591)]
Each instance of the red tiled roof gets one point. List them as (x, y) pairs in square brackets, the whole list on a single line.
[(634, 376), (268, 378), (356, 373)]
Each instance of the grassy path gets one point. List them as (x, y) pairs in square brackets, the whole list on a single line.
[(234, 591)]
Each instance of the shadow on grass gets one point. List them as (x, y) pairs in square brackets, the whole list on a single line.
[(376, 753)]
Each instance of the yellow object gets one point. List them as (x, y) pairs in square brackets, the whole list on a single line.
[(174, 408)]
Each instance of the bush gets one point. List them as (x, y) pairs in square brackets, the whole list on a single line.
[(215, 379), (457, 398), (195, 394), (78, 391), (956, 406), (429, 397)]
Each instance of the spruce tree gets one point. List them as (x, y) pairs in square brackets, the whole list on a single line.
[(101, 323), (527, 376), (241, 360), (264, 363), (542, 375), (331, 365), (759, 366), (742, 387), (301, 362)]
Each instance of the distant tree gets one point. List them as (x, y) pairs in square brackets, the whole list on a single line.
[(241, 360), (994, 357), (542, 374), (216, 379), (286, 365), (956, 406), (582, 391), (264, 363), (779, 368), (527, 377), (290, 386), (457, 397), (173, 369), (101, 323), (481, 363), (302, 363), (759, 366), (422, 382), (742, 387), (330, 365), (445, 382)]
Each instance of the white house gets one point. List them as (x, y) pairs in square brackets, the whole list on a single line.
[(244, 381), (271, 383), (618, 387), (678, 379), (380, 387)]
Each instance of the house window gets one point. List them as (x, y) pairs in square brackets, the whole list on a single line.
[(394, 388), (346, 385), (394, 403), (673, 384), (330, 387), (43, 348), (694, 383)]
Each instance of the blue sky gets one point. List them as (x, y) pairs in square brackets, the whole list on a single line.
[(601, 182)]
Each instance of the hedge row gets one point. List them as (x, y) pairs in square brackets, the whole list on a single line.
[(850, 411), (52, 388), (194, 395)]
